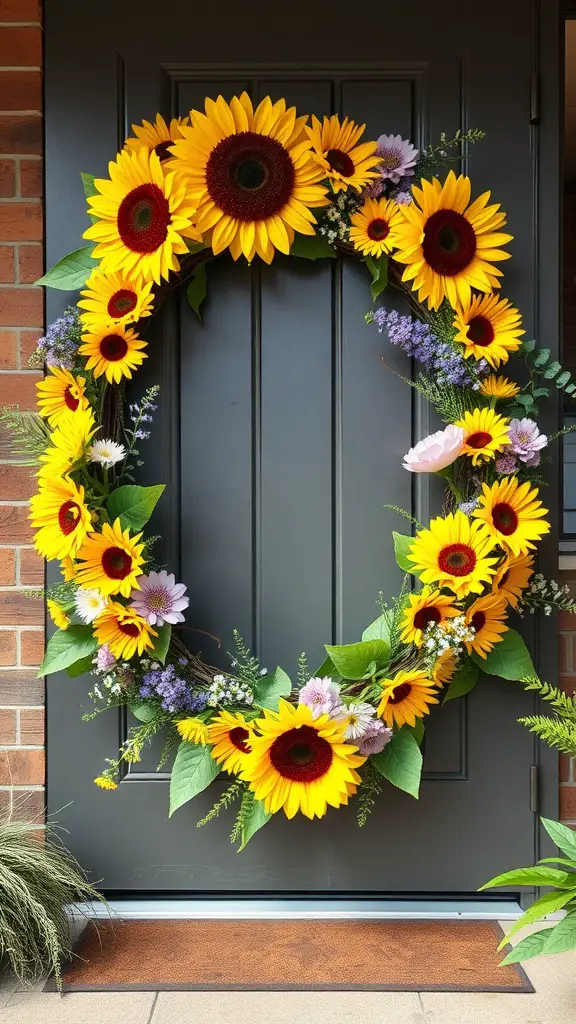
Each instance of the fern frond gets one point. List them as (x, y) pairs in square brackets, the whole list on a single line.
[(563, 703), (553, 731)]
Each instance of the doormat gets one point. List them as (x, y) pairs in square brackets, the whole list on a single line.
[(290, 955)]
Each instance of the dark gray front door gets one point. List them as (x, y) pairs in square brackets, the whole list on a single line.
[(281, 436)]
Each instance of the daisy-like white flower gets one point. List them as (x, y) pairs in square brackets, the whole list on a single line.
[(89, 604), (374, 739), (398, 157), (358, 718), (160, 599), (106, 453), (321, 694)]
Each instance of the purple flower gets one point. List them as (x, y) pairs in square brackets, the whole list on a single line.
[(59, 346), (526, 441), (398, 157), (104, 659), (403, 198), (160, 599), (320, 694), (374, 739), (418, 341), (172, 691), (506, 464)]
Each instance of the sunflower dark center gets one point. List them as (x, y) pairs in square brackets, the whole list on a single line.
[(71, 402), (162, 150), (143, 218), (340, 162), (424, 616), (116, 563), (68, 517), (121, 303), (301, 755), (478, 621), (480, 331), (238, 737), (479, 439), (504, 518), (378, 229), (129, 628), (250, 176), (400, 693), (113, 347), (457, 559), (449, 242)]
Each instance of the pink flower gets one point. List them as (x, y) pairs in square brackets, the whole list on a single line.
[(526, 441), (374, 739), (104, 659), (320, 694), (436, 451), (398, 157), (160, 599)]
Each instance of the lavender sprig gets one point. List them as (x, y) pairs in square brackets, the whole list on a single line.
[(420, 342), (59, 346)]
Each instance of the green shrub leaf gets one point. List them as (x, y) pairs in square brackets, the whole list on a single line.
[(134, 505), (353, 661), (532, 945), (196, 290), (312, 247), (194, 769), (401, 762), (530, 876), (66, 647), (509, 659), (254, 821), (270, 688), (564, 837), (547, 904), (463, 681), (72, 271), (402, 545), (563, 937)]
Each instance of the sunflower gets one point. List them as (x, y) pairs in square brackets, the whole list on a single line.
[(60, 395), (454, 552), (114, 350), (114, 299), (193, 730), (513, 577), (230, 735), (449, 243), (68, 443), (251, 173), (157, 136), (426, 606), (499, 387), (142, 217), (487, 616), (444, 668), (485, 434), (375, 223), (59, 517), (124, 631), (406, 697), (336, 149), (57, 614), (513, 514), (489, 327), (68, 568), (301, 763), (113, 561)]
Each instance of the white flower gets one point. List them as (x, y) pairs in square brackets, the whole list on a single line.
[(436, 451), (89, 604), (106, 453), (359, 719)]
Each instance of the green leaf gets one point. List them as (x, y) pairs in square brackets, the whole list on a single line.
[(417, 730), (72, 271), (194, 769), (80, 667), (532, 945), (193, 246), (547, 904), (542, 357), (88, 184), (463, 681), (509, 659), (540, 392), (563, 379), (379, 629), (564, 837), (312, 247), (402, 545), (143, 712), (66, 647), (529, 345), (563, 937), (530, 876), (196, 290), (270, 688), (552, 370), (570, 389), (353, 660), (379, 273), (161, 642), (328, 668), (401, 762), (256, 819), (134, 505), (558, 860)]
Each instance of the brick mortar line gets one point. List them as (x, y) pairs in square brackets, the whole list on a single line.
[(22, 707), (34, 787), (20, 24), (23, 629), (7, 748)]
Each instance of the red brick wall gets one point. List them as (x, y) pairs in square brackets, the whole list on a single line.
[(21, 322)]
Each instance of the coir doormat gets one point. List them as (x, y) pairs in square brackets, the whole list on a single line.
[(321, 955)]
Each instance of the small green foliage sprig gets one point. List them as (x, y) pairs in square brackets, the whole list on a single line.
[(547, 595), (447, 151), (560, 730), (368, 792), (247, 668), (229, 796), (244, 811), (28, 435)]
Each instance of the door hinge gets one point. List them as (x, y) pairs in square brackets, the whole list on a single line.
[(534, 788), (534, 98)]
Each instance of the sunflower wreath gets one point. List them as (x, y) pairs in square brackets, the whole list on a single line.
[(255, 182)]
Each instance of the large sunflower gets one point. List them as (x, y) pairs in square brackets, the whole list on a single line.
[(485, 434), (68, 443), (374, 227), (60, 517), (251, 173), (114, 299), (112, 561), (230, 735), (406, 697), (336, 149), (487, 616), (425, 606), (489, 327), (449, 243), (301, 763), (513, 577), (142, 217), (513, 514), (124, 631), (60, 395), (158, 136), (113, 350), (454, 552)]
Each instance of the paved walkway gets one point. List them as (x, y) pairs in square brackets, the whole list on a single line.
[(554, 1002)]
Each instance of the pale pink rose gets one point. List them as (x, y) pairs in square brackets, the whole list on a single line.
[(436, 451)]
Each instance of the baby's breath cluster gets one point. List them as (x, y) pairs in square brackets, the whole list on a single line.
[(225, 690), (451, 635), (547, 595)]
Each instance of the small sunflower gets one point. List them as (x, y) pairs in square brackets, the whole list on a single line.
[(485, 434), (114, 299), (157, 136), (60, 517), (143, 216), (57, 614), (513, 577), (124, 631), (454, 552), (406, 697), (112, 561), (513, 514), (230, 735), (444, 668), (113, 350), (425, 606), (68, 568), (193, 730), (60, 395), (301, 763), (489, 327), (448, 243), (374, 227), (499, 387), (68, 443), (487, 616), (336, 150)]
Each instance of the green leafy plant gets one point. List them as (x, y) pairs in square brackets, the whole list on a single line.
[(557, 730)]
